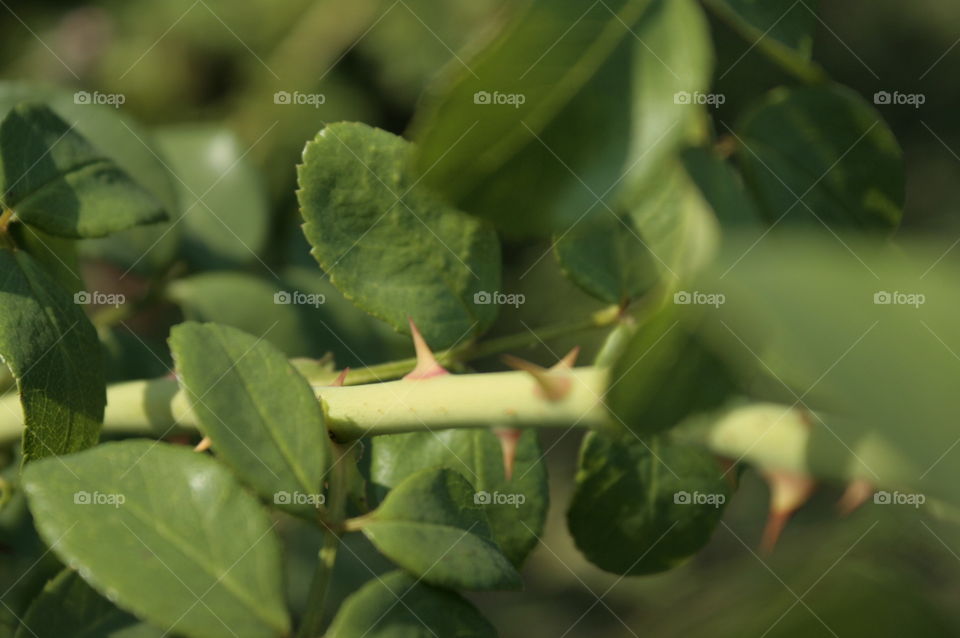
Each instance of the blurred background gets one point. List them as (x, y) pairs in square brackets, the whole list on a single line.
[(210, 88)]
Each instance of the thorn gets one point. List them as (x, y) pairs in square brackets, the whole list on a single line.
[(551, 385), (509, 438), (427, 365), (788, 492), (567, 362), (203, 445), (857, 493), (338, 382)]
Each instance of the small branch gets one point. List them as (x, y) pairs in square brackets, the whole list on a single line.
[(312, 623)]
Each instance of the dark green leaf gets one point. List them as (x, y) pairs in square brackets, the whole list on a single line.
[(722, 187), (433, 525), (541, 69), (390, 244), (666, 373), (261, 415), (642, 508), (53, 352), (777, 23), (477, 455), (53, 178), (822, 155), (224, 207), (422, 612), (165, 532), (67, 606)]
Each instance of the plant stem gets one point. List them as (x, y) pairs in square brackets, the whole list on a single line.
[(312, 623), (469, 351)]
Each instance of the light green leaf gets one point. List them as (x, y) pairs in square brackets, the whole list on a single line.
[(822, 156), (67, 606), (665, 374), (433, 526), (389, 243), (53, 178), (165, 532), (474, 126), (477, 455), (261, 415), (865, 334), (223, 200), (644, 507), (423, 612), (53, 352)]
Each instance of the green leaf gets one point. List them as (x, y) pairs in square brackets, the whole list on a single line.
[(67, 606), (672, 67), (389, 243), (658, 226), (422, 612), (772, 25), (53, 178), (165, 532), (224, 206), (432, 526), (722, 187), (822, 155), (261, 415), (539, 66), (863, 333), (53, 352), (666, 374), (477, 455), (641, 508)]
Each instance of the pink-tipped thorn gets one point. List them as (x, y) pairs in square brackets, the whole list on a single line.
[(509, 438), (551, 384), (203, 445), (857, 493), (341, 378), (427, 365), (788, 491), (567, 362)]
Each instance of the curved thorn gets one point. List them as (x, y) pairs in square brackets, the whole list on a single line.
[(427, 365)]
